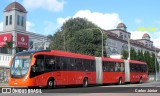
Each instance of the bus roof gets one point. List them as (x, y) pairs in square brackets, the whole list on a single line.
[(69, 54), (137, 62), (112, 59), (31, 52)]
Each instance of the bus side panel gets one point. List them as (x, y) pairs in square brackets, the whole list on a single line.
[(99, 73), (127, 71), (108, 77)]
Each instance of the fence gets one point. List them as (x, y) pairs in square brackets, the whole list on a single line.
[(4, 74), (4, 66)]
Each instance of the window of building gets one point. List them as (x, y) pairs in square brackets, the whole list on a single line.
[(128, 36), (18, 20), (22, 21), (10, 21), (6, 20), (121, 35)]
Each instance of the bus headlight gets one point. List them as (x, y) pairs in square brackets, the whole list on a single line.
[(25, 78)]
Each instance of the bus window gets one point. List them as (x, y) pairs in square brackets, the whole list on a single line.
[(93, 65), (40, 63), (49, 63), (122, 67), (59, 64), (79, 65), (111, 66), (104, 66), (64, 62), (117, 67), (86, 64), (71, 65)]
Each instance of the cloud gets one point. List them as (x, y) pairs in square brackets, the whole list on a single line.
[(1, 26), (29, 26), (138, 21), (155, 36), (60, 21), (50, 5), (156, 39), (103, 20), (138, 34)]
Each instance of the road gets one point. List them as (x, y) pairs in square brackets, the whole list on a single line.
[(107, 90)]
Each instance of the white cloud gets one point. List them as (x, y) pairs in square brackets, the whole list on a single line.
[(1, 26), (156, 39), (103, 20), (60, 21), (29, 26), (51, 5), (155, 36), (138, 34), (138, 21)]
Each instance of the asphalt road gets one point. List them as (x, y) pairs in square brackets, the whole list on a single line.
[(107, 90), (126, 88)]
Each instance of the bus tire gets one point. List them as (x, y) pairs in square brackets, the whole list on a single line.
[(85, 82), (140, 80), (51, 83), (120, 81)]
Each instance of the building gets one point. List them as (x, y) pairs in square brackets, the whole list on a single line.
[(14, 28), (119, 40)]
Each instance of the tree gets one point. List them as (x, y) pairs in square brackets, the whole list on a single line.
[(124, 54), (78, 35)]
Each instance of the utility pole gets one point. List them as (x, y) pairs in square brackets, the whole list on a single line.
[(155, 65), (129, 47)]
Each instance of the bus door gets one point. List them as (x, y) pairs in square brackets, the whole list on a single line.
[(112, 72), (88, 72), (40, 70), (60, 73), (71, 69)]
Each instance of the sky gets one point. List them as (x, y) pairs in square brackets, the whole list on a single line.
[(46, 16)]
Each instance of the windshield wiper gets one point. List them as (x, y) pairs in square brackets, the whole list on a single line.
[(15, 71)]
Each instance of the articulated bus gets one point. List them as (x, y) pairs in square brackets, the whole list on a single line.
[(52, 68)]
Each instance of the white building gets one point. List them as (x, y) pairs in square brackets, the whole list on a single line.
[(14, 28), (119, 39)]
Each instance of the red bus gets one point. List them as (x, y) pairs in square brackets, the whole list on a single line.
[(135, 71), (53, 68)]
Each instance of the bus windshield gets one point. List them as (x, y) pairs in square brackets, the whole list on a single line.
[(20, 65)]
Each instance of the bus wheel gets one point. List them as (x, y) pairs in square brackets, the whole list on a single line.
[(140, 80), (51, 84), (85, 82), (120, 81)]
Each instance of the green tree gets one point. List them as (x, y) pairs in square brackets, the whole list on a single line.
[(124, 54), (79, 35), (151, 66), (133, 54)]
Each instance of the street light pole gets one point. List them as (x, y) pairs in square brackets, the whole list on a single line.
[(155, 66), (129, 49)]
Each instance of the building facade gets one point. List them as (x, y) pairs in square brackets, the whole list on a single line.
[(119, 40), (14, 28)]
